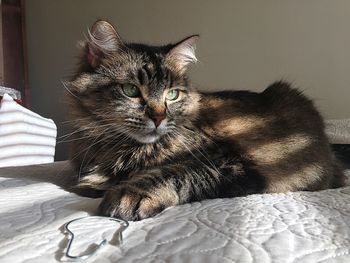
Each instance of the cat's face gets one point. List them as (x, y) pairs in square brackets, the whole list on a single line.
[(136, 90)]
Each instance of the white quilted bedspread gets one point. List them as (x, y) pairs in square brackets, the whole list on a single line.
[(291, 227)]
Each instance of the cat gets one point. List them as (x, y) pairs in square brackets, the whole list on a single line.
[(146, 139)]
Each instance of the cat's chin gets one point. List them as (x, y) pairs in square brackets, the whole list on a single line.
[(147, 139)]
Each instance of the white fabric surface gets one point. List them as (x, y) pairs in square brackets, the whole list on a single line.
[(292, 227), (25, 137)]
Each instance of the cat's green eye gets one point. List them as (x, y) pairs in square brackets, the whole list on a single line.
[(131, 91), (172, 94)]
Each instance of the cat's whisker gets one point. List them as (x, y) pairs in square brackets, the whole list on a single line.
[(78, 120), (137, 127), (80, 152), (84, 129), (183, 134), (76, 130), (69, 91), (90, 130), (96, 141), (73, 140), (118, 144), (116, 136), (72, 133), (134, 119)]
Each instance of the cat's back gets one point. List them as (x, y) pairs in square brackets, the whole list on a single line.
[(279, 105), (278, 130)]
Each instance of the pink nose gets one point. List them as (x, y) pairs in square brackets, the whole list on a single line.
[(157, 119), (156, 114)]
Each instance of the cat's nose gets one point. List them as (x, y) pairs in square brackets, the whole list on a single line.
[(158, 119), (156, 115)]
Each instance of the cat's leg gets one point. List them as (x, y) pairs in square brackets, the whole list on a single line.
[(92, 185), (151, 191), (93, 182), (141, 197)]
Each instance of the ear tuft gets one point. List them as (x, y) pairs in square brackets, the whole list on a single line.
[(183, 53), (103, 39)]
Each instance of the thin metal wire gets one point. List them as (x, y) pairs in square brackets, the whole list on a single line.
[(123, 225)]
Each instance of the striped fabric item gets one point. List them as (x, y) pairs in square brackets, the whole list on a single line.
[(25, 137)]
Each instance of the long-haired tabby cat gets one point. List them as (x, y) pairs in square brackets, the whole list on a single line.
[(147, 139)]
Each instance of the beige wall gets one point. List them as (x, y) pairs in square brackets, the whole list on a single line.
[(245, 44)]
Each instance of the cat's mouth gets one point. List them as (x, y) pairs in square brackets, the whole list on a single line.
[(147, 137), (153, 133), (149, 133)]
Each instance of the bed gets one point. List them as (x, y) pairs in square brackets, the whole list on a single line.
[(290, 227)]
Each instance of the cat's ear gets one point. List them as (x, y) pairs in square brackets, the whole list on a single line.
[(182, 53), (102, 40)]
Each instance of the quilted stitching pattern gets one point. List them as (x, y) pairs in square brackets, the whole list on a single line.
[(291, 227)]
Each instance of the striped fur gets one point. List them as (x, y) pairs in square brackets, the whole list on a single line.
[(207, 145)]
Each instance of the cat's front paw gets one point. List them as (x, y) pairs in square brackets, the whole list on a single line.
[(130, 203)]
